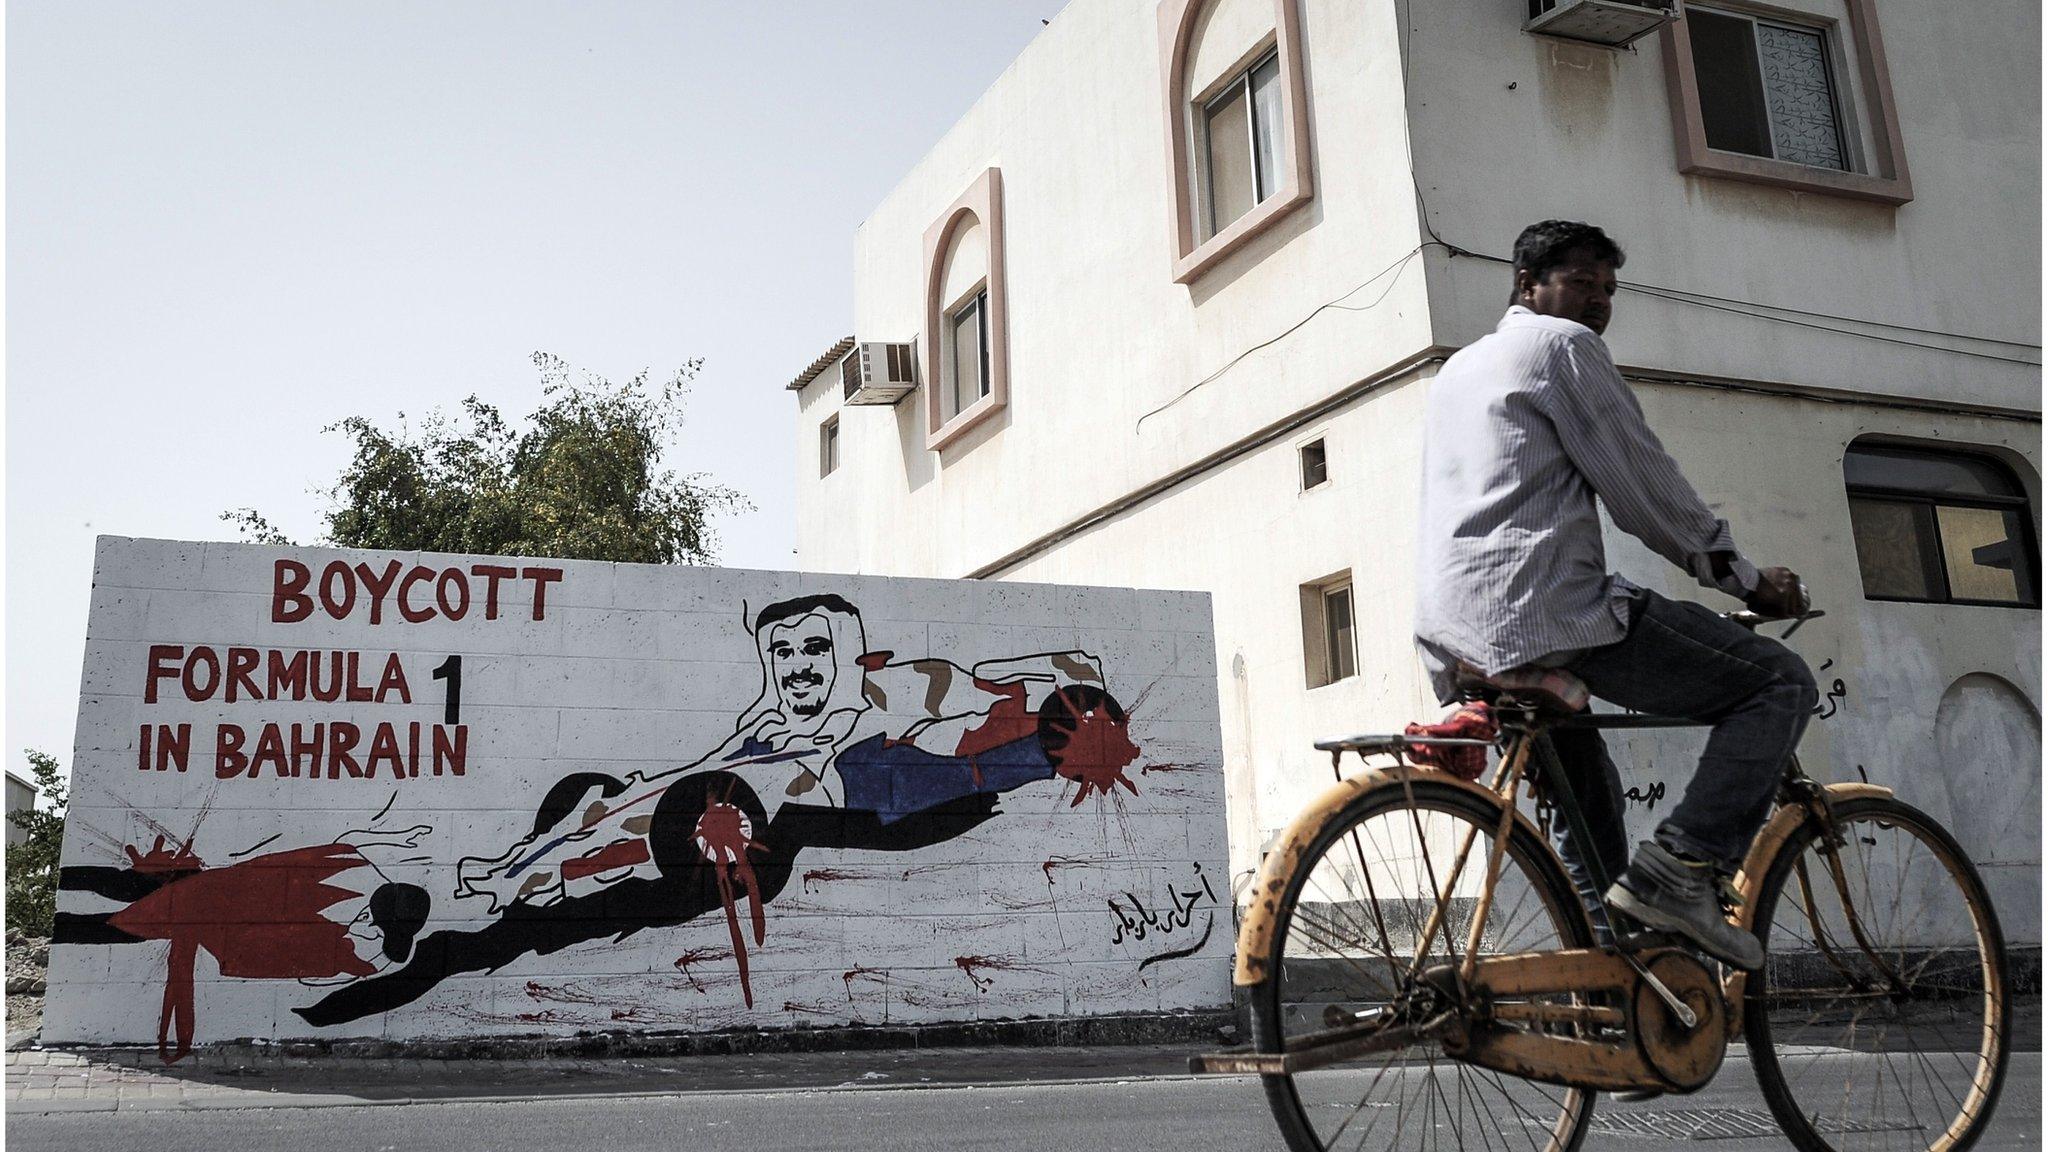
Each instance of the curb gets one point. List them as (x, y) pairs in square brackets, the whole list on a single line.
[(1128, 1029), (257, 1101)]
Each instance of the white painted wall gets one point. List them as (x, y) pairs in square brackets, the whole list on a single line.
[(1585, 133), (1897, 663), (1101, 335), (648, 677), (21, 796)]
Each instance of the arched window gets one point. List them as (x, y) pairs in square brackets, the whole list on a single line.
[(1940, 527), (966, 341), (1236, 123)]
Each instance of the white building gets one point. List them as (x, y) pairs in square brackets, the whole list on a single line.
[(21, 796), (1832, 318)]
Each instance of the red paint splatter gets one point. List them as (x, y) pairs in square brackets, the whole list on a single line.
[(1097, 751), (617, 854), (1053, 862), (971, 964), (159, 859), (873, 661), (820, 875), (260, 918), (725, 835), (567, 994), (694, 956), (858, 971)]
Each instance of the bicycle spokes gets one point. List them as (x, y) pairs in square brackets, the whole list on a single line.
[(1880, 1019), (1394, 912)]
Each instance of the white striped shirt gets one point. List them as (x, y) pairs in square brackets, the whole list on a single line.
[(1522, 430)]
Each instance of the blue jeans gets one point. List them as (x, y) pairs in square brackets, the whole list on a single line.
[(1681, 659)]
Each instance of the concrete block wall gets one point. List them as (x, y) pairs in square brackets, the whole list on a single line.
[(632, 797)]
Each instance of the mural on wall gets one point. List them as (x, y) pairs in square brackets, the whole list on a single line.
[(845, 749)]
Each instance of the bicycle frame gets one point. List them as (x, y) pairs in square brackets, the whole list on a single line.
[(1524, 754), (1433, 979)]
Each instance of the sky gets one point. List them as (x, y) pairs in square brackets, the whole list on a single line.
[(231, 225)]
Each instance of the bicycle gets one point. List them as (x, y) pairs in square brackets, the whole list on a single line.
[(1446, 984)]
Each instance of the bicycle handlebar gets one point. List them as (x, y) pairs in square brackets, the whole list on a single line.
[(1751, 620)]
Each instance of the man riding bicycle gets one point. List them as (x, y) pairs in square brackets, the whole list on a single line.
[(1523, 429)]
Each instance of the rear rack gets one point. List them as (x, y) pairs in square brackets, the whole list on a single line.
[(1378, 743)]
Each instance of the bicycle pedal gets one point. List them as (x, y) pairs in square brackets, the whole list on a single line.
[(1638, 1095)]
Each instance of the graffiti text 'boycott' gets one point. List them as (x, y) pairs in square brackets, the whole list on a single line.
[(417, 596)]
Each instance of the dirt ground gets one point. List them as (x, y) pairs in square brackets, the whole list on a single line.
[(28, 958)]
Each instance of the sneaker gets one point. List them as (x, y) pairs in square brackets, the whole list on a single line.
[(1666, 891)]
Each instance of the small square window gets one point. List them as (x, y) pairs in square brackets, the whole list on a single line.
[(1315, 464), (1767, 89), (1940, 527), (1329, 646), (828, 447), (1243, 146)]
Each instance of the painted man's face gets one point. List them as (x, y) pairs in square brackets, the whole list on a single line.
[(800, 661), (366, 936)]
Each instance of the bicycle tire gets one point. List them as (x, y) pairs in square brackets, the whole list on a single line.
[(1770, 1007), (1547, 879)]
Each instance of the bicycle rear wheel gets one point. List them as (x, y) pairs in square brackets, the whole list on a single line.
[(1343, 949), (1889, 1029)]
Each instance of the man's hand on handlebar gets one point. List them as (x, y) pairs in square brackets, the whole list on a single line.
[(1779, 594)]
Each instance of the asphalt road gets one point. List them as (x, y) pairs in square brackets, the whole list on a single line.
[(1167, 1115)]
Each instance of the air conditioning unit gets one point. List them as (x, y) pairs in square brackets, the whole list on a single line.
[(1609, 23), (878, 373)]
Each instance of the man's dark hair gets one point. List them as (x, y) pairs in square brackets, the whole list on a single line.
[(1545, 245), (790, 609), (399, 911)]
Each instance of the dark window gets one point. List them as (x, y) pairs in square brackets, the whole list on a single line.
[(1338, 650), (1766, 89), (1243, 148), (1315, 464), (1329, 646), (970, 355), (828, 447), (1940, 527)]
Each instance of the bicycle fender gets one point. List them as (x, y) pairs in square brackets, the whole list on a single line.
[(1276, 872), (1776, 831), (1762, 851)]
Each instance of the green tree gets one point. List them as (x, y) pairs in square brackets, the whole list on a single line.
[(582, 481), (32, 864)]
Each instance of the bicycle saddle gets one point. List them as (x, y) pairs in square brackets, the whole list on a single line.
[(1549, 690)]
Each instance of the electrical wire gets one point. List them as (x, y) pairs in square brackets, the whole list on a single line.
[(1680, 295), (1675, 295), (1640, 286), (1723, 307), (1338, 303), (1729, 304)]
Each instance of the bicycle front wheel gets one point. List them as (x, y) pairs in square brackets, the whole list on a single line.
[(1881, 1018), (1344, 952)]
